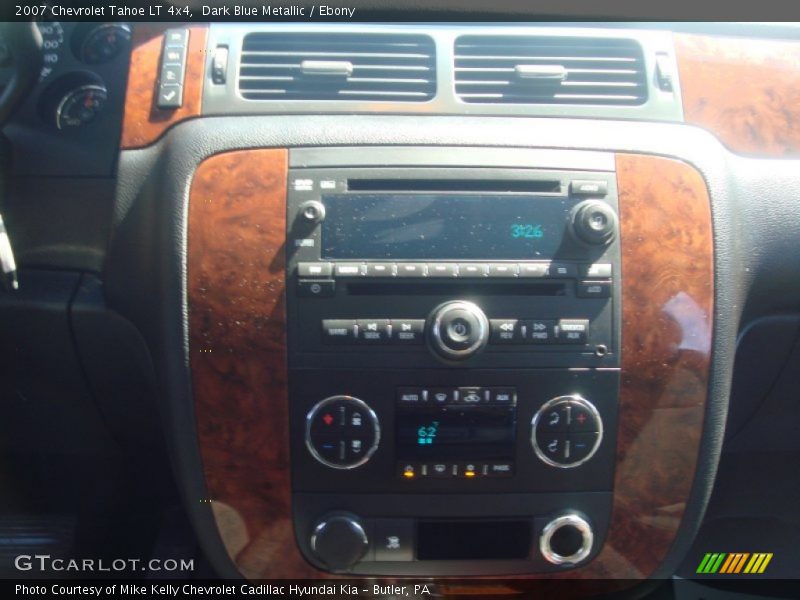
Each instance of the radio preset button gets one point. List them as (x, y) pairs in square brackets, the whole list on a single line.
[(316, 288), (412, 270), (541, 269), (350, 269), (407, 331), (381, 270), (473, 270), (594, 289), (314, 269), (561, 270), (442, 270), (338, 331), (373, 330), (595, 270), (503, 270)]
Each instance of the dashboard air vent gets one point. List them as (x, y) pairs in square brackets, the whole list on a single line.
[(550, 70), (331, 66)]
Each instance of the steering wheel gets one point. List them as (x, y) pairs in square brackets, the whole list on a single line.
[(21, 51)]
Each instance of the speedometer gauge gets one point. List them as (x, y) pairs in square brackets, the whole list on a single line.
[(52, 45)]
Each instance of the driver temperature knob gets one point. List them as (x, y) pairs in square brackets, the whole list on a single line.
[(339, 541), (458, 330)]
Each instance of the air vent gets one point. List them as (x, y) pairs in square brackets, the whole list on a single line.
[(549, 70), (315, 66)]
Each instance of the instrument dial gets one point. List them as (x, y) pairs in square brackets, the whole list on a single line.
[(80, 106), (104, 43), (52, 46)]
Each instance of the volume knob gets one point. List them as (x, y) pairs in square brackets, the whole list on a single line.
[(312, 211), (458, 330)]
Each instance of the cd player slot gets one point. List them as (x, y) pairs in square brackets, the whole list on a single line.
[(518, 186), (431, 288)]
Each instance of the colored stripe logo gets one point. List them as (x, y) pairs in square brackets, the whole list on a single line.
[(734, 563)]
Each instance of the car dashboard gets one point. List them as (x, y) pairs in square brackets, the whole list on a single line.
[(424, 300)]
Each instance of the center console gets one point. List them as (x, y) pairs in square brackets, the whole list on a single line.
[(453, 346)]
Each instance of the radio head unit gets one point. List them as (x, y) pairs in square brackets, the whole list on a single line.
[(377, 257)]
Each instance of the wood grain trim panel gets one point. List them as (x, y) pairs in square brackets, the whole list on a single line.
[(237, 323), (745, 91), (667, 315), (237, 343), (143, 123)]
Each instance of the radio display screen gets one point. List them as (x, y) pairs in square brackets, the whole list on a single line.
[(451, 433), (442, 226)]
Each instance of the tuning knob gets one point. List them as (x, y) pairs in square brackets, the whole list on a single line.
[(594, 222), (458, 330), (566, 540), (339, 541)]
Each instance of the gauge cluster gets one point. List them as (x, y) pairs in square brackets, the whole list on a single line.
[(71, 125)]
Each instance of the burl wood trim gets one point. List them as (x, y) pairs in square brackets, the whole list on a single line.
[(667, 315), (237, 322), (143, 123), (745, 91), (237, 345)]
